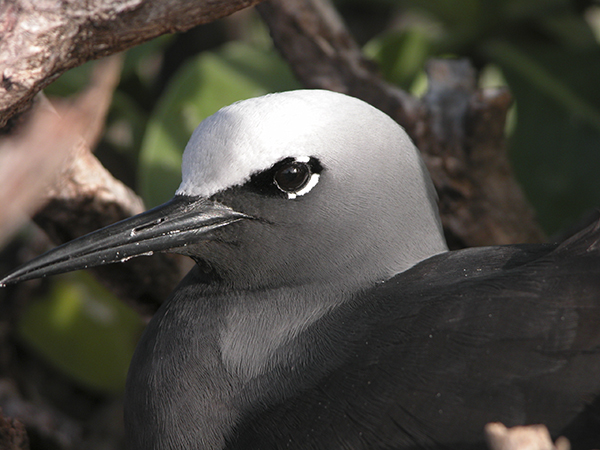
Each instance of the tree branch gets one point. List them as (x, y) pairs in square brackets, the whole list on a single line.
[(313, 39), (49, 161), (12, 434), (41, 40)]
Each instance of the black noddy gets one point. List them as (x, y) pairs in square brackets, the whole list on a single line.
[(325, 311)]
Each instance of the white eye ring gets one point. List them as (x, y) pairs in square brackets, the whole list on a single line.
[(312, 182)]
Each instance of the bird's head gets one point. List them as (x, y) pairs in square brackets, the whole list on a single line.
[(286, 188)]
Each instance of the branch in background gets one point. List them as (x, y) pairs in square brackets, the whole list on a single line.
[(28, 164), (41, 40), (12, 434), (42, 421), (87, 197), (463, 144), (531, 437), (313, 39), (459, 130), (46, 139), (84, 195)]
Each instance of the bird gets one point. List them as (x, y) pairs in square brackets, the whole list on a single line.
[(324, 309)]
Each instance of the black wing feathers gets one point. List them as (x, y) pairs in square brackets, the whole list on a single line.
[(426, 359)]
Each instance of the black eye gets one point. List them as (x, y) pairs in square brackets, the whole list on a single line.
[(288, 178), (293, 176)]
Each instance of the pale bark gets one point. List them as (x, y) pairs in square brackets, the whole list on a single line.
[(41, 39)]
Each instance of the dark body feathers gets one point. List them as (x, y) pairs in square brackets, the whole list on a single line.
[(427, 358)]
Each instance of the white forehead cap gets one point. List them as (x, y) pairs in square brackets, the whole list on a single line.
[(250, 136)]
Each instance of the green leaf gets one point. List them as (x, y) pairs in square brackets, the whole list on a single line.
[(400, 56), (548, 52), (542, 66), (71, 82), (143, 61), (555, 146), (83, 331), (200, 88)]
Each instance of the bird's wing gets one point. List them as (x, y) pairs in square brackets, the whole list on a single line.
[(517, 342), (424, 360)]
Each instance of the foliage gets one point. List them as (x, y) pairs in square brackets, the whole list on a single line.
[(548, 52), (84, 331)]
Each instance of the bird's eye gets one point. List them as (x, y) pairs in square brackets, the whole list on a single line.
[(288, 178), (293, 176)]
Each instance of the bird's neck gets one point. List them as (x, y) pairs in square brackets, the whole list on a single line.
[(208, 355), (177, 394)]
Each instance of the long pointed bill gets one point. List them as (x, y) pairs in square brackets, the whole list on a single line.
[(181, 221)]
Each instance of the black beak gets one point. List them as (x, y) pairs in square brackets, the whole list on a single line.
[(175, 224)]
